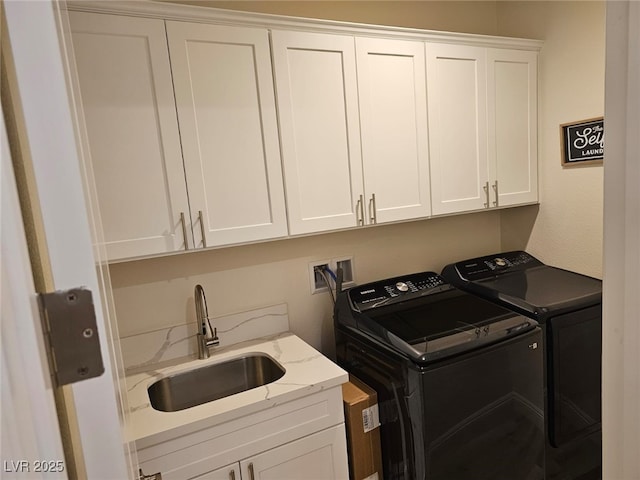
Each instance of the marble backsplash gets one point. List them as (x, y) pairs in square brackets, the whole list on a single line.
[(150, 348)]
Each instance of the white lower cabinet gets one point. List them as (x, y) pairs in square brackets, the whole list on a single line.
[(303, 439), (320, 456)]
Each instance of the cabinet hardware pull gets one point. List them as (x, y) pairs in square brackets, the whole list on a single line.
[(495, 190), (372, 209), (486, 193), (251, 475), (360, 211), (204, 239), (184, 230), (153, 476), (232, 475)]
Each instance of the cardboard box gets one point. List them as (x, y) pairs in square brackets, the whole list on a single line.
[(363, 430)]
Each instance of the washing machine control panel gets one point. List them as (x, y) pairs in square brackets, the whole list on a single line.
[(491, 265), (398, 289)]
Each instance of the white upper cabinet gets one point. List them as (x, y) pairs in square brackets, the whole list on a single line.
[(230, 472), (457, 99), (512, 114), (337, 176), (393, 119), (204, 134), (316, 87), (482, 127), (129, 111), (226, 110)]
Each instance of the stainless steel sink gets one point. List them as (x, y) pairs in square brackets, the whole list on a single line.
[(212, 382)]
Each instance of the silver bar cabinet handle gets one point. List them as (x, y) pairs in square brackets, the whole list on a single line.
[(153, 476), (372, 209), (184, 230), (360, 211), (204, 239), (251, 475), (495, 191), (232, 475), (486, 193)]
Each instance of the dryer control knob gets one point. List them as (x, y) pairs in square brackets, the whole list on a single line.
[(401, 286), (501, 262)]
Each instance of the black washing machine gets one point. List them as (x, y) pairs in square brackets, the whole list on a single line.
[(459, 379), (568, 307)]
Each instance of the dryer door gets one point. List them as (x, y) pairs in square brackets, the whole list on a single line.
[(574, 374), (484, 414)]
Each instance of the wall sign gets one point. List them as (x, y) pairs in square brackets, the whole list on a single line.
[(582, 142)]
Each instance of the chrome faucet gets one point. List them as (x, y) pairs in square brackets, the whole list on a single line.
[(202, 316)]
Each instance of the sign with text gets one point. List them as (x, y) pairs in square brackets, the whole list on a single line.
[(582, 142)]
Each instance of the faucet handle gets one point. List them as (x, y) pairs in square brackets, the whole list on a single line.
[(212, 341)]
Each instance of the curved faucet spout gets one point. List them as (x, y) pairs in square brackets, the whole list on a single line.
[(202, 317), (202, 312)]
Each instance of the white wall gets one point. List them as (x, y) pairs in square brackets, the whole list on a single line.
[(471, 16), (567, 230), (154, 293)]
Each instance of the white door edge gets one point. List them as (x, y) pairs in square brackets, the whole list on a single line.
[(45, 104), (29, 423)]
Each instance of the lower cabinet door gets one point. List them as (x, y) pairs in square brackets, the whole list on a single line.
[(321, 456), (228, 472)]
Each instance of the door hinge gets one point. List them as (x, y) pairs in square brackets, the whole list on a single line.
[(71, 333)]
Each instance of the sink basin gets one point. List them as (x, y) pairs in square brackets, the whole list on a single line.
[(212, 382)]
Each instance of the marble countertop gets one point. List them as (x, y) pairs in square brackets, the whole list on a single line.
[(307, 371)]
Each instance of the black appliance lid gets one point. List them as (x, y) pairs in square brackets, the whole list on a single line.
[(520, 280), (438, 316), (428, 319), (548, 287)]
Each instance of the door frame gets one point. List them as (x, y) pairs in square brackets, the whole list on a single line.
[(30, 427), (621, 273), (46, 116)]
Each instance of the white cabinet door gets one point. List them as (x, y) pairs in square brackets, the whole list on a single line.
[(229, 472), (321, 456), (456, 93), (226, 110), (319, 128), (129, 109), (393, 119), (512, 124)]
